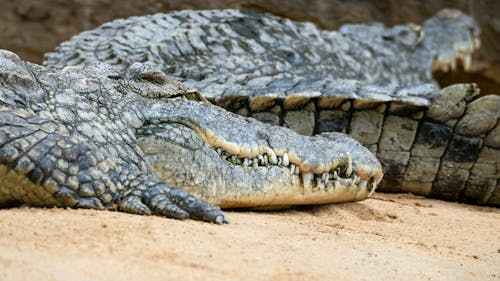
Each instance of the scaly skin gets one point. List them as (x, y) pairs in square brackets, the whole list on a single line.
[(73, 139), (372, 82), (70, 146)]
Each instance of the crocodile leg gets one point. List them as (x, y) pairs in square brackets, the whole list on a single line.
[(42, 166)]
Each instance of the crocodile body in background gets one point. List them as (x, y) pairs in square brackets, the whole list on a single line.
[(372, 82), (73, 138)]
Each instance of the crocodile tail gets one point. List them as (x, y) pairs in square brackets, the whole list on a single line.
[(469, 164), (448, 150)]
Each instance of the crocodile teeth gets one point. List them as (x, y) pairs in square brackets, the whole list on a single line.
[(324, 180), (348, 170), (477, 43), (233, 159), (272, 157), (362, 185), (307, 179), (337, 184), (466, 61), (261, 160), (320, 184), (285, 161), (326, 177), (356, 179), (255, 163), (371, 191)]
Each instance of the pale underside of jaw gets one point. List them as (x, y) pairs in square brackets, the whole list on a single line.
[(286, 179)]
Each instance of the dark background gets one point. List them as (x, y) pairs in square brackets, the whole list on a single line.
[(32, 27)]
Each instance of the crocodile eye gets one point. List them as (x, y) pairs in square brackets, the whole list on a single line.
[(193, 94), (154, 77)]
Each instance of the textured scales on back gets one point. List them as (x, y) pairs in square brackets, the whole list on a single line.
[(372, 82), (230, 52)]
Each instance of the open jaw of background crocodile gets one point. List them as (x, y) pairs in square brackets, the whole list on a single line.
[(371, 82), (72, 138)]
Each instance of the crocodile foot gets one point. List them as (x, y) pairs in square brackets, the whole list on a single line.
[(155, 197)]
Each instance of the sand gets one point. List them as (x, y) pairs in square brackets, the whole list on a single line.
[(399, 237)]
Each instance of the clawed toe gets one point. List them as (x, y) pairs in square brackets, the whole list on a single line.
[(162, 206), (134, 205), (161, 199)]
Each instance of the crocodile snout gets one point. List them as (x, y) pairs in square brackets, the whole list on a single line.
[(233, 161)]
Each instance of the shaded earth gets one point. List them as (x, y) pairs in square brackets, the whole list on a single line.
[(403, 237)]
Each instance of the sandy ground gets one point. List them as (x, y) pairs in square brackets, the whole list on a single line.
[(402, 237)]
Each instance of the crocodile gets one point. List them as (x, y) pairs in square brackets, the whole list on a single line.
[(370, 81), (77, 137)]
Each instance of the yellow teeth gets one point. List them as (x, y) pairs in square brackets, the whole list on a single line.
[(348, 171), (285, 161), (307, 179)]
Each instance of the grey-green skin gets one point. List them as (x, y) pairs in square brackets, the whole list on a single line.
[(372, 82), (66, 142), (72, 138), (229, 53)]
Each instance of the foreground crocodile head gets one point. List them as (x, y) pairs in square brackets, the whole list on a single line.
[(233, 161)]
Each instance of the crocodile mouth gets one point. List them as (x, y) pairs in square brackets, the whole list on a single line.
[(461, 54), (233, 161), (461, 41)]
